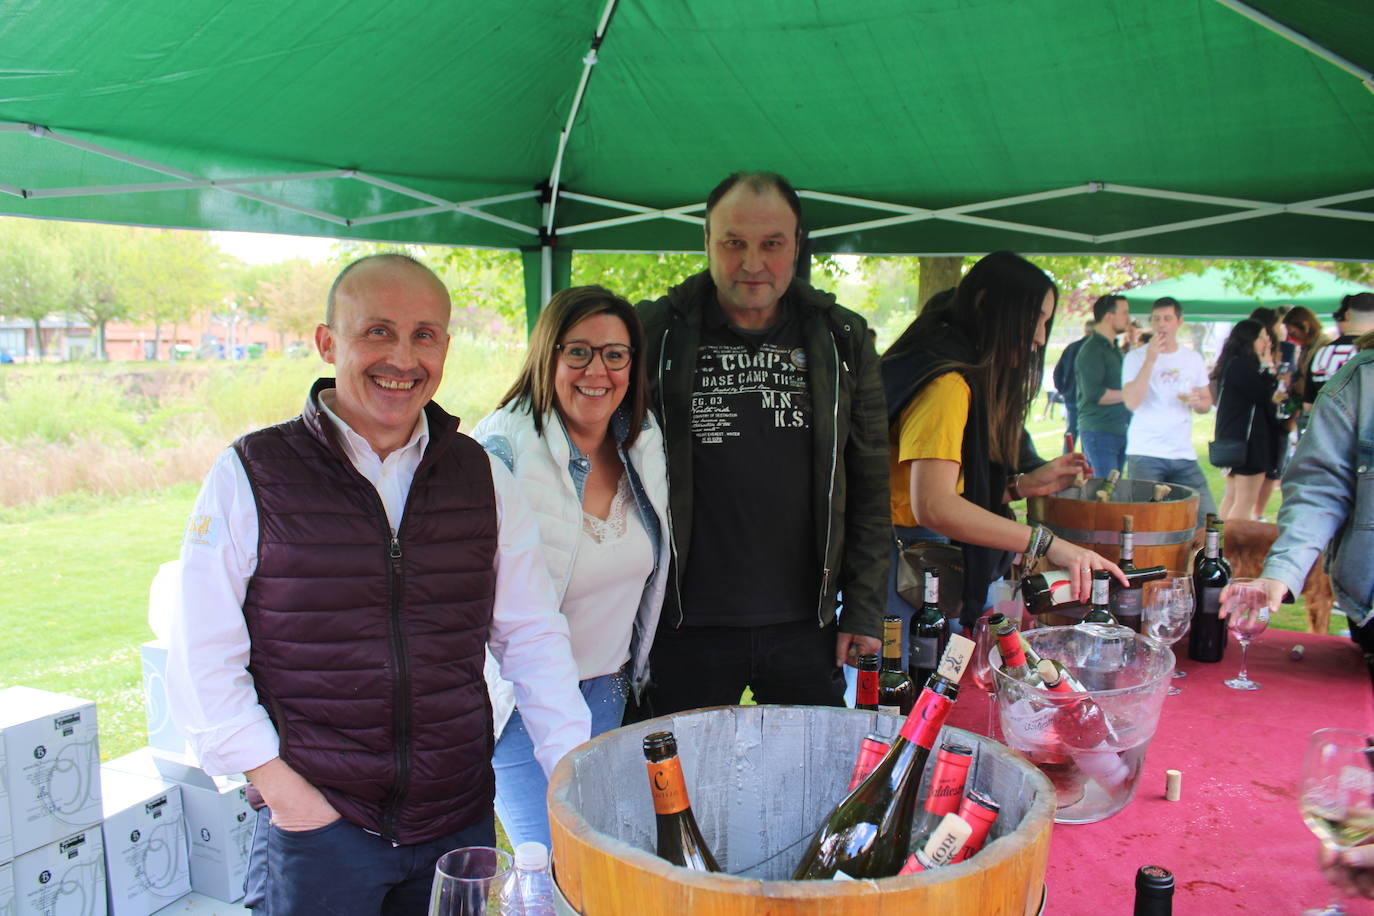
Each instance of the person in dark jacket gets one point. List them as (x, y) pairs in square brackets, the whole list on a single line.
[(772, 413), (958, 384), (341, 576), (1066, 383), (1245, 383)]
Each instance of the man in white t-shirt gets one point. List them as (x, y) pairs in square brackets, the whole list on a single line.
[(1164, 384)]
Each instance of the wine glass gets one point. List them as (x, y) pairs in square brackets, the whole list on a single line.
[(1336, 794), (1168, 613), (470, 882), (1183, 584), (1247, 616), (984, 648)]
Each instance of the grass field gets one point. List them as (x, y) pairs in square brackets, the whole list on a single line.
[(74, 581)]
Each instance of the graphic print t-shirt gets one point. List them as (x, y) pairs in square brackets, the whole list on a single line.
[(752, 559)]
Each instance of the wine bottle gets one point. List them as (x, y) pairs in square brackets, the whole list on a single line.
[(896, 691), (1100, 610), (940, 848), (867, 834), (1154, 891), (1084, 728), (1126, 603), (1012, 649), (679, 838), (978, 811), (1207, 636), (929, 633), (1053, 591), (947, 781), (1213, 522), (871, 750), (866, 692)]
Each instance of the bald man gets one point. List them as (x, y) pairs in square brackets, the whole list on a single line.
[(342, 573)]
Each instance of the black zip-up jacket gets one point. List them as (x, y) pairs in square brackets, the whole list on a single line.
[(850, 454)]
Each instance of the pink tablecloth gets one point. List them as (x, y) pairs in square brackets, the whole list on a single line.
[(1235, 842)]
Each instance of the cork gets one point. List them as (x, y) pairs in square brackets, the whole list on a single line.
[(1173, 786)]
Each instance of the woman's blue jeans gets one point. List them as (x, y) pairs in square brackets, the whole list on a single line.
[(521, 789)]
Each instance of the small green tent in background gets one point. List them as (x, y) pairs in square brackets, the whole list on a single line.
[(1206, 297)]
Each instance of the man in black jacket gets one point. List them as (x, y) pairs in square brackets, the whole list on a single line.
[(1066, 381), (776, 432)]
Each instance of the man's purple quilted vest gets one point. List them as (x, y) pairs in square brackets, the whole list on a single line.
[(367, 655)]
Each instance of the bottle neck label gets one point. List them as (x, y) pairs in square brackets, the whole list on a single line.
[(669, 788), (892, 639), (932, 590), (927, 718), (1009, 644), (867, 693), (1210, 551), (1127, 546), (1100, 592)]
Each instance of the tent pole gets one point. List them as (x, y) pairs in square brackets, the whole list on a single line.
[(1301, 40)]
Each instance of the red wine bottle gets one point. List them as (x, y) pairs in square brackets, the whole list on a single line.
[(1154, 891), (866, 692), (1213, 522), (1100, 611), (940, 848), (946, 789), (1053, 591), (1126, 603), (679, 838), (871, 750), (928, 633), (867, 834), (896, 692), (1207, 636), (978, 811)]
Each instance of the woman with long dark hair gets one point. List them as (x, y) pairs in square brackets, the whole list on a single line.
[(959, 382), (1306, 330), (1245, 385)]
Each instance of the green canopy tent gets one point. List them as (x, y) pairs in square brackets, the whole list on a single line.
[(1206, 296), (1175, 127)]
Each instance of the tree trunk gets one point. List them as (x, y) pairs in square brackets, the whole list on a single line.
[(100, 352), (937, 275), (172, 349), (38, 338), (157, 339)]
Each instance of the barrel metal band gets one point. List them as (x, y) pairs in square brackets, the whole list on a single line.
[(1142, 538)]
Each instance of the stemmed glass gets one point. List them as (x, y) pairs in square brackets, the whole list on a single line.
[(1182, 583), (1168, 613), (1247, 616), (985, 646), (470, 882), (1336, 794)]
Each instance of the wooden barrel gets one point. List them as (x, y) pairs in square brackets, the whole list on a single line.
[(761, 780), (1163, 530)]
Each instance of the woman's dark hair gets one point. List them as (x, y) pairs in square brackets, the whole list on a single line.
[(533, 388), (1268, 318), (1239, 345), (997, 306), (1304, 322)]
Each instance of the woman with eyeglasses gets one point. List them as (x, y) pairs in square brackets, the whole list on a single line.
[(576, 432)]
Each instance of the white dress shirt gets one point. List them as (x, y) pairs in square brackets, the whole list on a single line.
[(210, 691)]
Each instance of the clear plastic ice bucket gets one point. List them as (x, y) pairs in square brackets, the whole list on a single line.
[(1091, 743)]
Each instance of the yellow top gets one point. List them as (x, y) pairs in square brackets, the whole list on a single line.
[(931, 426)]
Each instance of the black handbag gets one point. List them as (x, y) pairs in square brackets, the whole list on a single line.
[(1230, 453), (914, 558)]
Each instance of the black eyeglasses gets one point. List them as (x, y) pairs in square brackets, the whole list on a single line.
[(579, 355)]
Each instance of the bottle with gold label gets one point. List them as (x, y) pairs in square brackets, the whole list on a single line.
[(679, 838), (896, 692)]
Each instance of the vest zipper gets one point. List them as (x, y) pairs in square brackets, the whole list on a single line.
[(401, 700)]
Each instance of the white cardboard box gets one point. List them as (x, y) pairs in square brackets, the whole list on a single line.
[(53, 765), (146, 850), (162, 733), (7, 889), (63, 878), (219, 820)]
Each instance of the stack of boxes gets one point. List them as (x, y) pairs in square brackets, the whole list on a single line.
[(168, 827)]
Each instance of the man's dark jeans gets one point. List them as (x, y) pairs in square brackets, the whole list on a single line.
[(786, 663)]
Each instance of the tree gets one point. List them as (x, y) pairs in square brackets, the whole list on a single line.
[(35, 273), (97, 273), (171, 275), (635, 276), (292, 294)]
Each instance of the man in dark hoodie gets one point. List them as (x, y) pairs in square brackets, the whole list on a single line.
[(776, 432)]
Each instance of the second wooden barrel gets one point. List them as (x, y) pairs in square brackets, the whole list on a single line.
[(1163, 530), (761, 779)]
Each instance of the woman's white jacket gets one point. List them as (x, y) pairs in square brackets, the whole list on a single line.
[(549, 470)]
